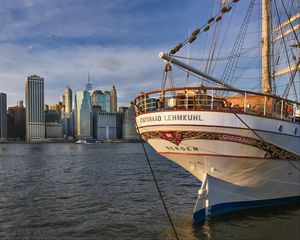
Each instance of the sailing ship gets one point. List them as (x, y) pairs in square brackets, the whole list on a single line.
[(244, 146)]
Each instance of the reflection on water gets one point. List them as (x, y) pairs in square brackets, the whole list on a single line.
[(105, 191), (281, 222)]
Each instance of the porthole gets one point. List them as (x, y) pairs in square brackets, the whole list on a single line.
[(280, 127), (295, 131)]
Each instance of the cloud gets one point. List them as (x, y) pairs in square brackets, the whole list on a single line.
[(130, 69), (117, 41)]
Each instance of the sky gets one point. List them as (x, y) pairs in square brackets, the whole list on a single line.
[(117, 41)]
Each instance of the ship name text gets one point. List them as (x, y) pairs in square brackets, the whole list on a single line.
[(172, 117)]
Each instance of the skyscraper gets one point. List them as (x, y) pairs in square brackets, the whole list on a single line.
[(17, 114), (83, 115), (107, 101), (113, 100), (89, 86), (98, 99), (3, 116), (62, 106), (67, 120), (68, 100), (35, 117), (129, 128)]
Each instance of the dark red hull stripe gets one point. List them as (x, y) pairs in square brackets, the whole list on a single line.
[(176, 137)]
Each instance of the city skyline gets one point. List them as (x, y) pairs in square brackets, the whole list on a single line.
[(72, 38), (95, 116)]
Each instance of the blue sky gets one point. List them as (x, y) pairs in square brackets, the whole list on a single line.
[(118, 41)]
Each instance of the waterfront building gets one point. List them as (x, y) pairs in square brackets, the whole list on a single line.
[(113, 100), (129, 128), (83, 115), (11, 130), (3, 117), (68, 126), (107, 101), (120, 121), (35, 117), (119, 124), (16, 122), (54, 130), (52, 116), (105, 126)]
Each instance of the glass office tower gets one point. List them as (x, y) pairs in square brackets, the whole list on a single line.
[(83, 115)]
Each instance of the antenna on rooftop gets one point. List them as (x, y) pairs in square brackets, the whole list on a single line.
[(89, 86)]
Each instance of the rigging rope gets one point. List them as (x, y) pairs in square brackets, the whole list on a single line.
[(206, 36), (256, 134), (286, 91), (233, 80), (285, 48), (230, 67), (218, 58), (156, 182), (225, 35), (205, 27), (213, 45)]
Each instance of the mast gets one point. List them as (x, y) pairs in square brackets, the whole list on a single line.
[(266, 49)]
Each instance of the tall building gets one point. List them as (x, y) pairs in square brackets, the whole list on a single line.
[(54, 130), (107, 101), (3, 116), (62, 106), (113, 100), (98, 99), (105, 127), (35, 117), (123, 109), (67, 119), (119, 124), (83, 115), (17, 129), (129, 128), (89, 86), (68, 100), (58, 107)]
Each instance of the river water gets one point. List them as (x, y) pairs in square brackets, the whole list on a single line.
[(105, 191)]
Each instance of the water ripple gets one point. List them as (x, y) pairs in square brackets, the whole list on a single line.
[(105, 191)]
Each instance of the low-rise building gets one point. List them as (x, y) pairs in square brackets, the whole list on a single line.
[(53, 130), (129, 128), (105, 127)]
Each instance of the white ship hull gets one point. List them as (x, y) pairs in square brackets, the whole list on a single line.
[(242, 160)]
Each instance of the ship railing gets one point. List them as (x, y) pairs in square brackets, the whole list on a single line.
[(218, 99)]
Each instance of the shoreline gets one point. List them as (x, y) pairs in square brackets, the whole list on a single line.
[(71, 142)]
